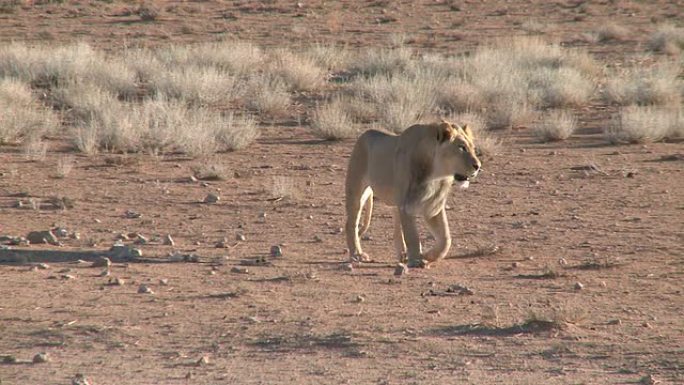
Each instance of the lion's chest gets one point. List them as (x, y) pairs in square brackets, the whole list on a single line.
[(434, 196)]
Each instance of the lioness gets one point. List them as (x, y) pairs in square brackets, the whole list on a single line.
[(413, 172)]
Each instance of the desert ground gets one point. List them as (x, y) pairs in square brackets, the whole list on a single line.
[(567, 265)]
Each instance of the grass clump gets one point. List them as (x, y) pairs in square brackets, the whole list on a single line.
[(667, 39), (555, 126), (332, 122), (635, 124)]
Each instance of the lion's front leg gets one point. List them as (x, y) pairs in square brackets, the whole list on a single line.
[(412, 239), (439, 227), (399, 243)]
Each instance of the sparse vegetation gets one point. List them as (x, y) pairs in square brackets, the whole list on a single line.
[(667, 39), (656, 85), (556, 125), (612, 32), (332, 122), (645, 124)]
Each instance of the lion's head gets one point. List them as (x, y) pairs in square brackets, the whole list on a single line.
[(455, 153)]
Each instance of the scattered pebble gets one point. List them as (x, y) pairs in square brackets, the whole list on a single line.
[(101, 262), (276, 251), (262, 217), (562, 262), (515, 265), (530, 258), (43, 266), (647, 325), (68, 277), (140, 239), (168, 241), (309, 217), (347, 266), (240, 237), (104, 273), (649, 380), (80, 379), (61, 232), (130, 214), (203, 361), (360, 298), (239, 270), (211, 198), (9, 359), (144, 289), (579, 286), (401, 269), (616, 321), (164, 282), (116, 282), (40, 237), (41, 358), (317, 238)]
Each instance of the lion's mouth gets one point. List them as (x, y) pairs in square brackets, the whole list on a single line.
[(460, 177)]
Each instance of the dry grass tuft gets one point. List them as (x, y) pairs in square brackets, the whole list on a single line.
[(645, 124), (299, 73), (667, 39), (612, 32), (65, 164), (556, 125), (657, 85), (268, 95), (332, 122), (21, 117), (197, 85)]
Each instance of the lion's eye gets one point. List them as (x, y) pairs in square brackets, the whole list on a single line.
[(462, 148)]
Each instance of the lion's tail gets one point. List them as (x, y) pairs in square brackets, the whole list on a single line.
[(367, 203)]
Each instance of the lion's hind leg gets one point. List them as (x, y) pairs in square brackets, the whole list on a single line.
[(355, 202), (399, 242)]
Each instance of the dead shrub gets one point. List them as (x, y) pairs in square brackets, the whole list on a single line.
[(667, 39), (556, 125), (636, 124), (332, 122)]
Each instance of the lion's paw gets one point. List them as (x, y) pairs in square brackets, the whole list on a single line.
[(418, 263), (361, 257)]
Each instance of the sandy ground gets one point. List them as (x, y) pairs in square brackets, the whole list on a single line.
[(540, 219)]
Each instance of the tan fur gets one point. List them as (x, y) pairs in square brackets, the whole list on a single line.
[(413, 172)]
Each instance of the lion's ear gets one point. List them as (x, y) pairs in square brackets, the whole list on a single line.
[(445, 132), (468, 131)]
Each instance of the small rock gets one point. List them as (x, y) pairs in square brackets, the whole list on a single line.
[(203, 361), (579, 286), (649, 380), (262, 217), (317, 238), (309, 217), (603, 284), (130, 214), (61, 232), (168, 241), (616, 321), (9, 359), (101, 262), (347, 266), (68, 277), (401, 269), (140, 239), (75, 236), (192, 179), (212, 272), (276, 251), (43, 266), (530, 258), (144, 289), (211, 198), (164, 282), (104, 273), (41, 358), (367, 237), (515, 265), (40, 237), (116, 282), (80, 379), (360, 298), (647, 325), (239, 270), (562, 262), (240, 237)]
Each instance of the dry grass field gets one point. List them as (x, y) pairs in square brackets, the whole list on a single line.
[(206, 144)]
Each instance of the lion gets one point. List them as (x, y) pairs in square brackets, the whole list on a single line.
[(414, 172)]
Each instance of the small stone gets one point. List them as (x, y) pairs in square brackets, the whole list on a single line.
[(168, 241), (276, 251), (579, 286), (239, 270), (401, 269), (118, 282), (360, 298), (562, 262), (61, 232), (41, 358), (262, 217), (144, 289), (367, 237), (75, 236), (649, 380), (211, 198), (140, 239), (80, 379), (616, 321), (9, 359), (164, 282), (317, 238), (530, 258), (647, 325), (603, 284), (40, 237), (43, 266), (347, 267), (203, 361), (515, 265), (68, 277), (309, 217), (212, 272), (192, 179), (101, 262), (104, 273), (240, 237), (130, 214)]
